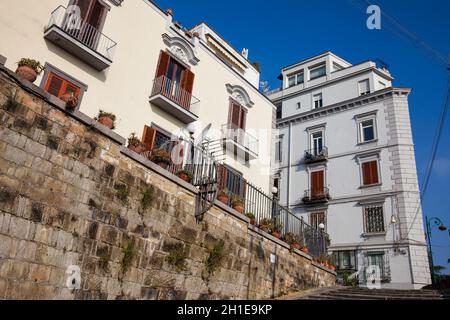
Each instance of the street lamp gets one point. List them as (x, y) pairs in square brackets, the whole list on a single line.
[(436, 222)]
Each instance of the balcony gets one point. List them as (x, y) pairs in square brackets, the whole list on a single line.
[(316, 196), (240, 142), (316, 155), (68, 31), (170, 97)]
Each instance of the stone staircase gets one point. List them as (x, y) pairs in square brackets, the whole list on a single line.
[(346, 293)]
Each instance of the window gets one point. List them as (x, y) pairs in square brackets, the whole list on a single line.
[(231, 180), (279, 150), (299, 105), (373, 219), (237, 115), (317, 218), (317, 72), (317, 184), (317, 143), (174, 80), (364, 87), (345, 260), (57, 83), (379, 261), (318, 101), (94, 13), (367, 130), (296, 79), (370, 173), (279, 111), (154, 138)]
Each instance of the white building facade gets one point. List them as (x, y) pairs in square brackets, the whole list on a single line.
[(133, 59), (345, 159)]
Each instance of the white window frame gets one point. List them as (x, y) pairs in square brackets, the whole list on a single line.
[(311, 69), (360, 87), (311, 138), (363, 118), (296, 77), (299, 105), (314, 100)]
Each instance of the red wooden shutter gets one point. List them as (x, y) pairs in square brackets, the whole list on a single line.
[(148, 138), (243, 118), (317, 183), (163, 64), (188, 81), (222, 176), (54, 84), (370, 173)]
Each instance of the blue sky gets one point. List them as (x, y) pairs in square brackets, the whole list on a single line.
[(279, 33)]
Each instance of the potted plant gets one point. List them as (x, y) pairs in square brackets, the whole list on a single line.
[(265, 225), (238, 204), (252, 218), (293, 240), (29, 69), (107, 119), (185, 175), (224, 196), (135, 144), (305, 249), (161, 158), (70, 99), (276, 230)]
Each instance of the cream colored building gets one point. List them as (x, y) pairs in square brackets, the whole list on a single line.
[(131, 59)]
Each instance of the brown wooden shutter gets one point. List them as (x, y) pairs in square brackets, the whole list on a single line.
[(243, 118), (148, 138), (317, 183), (222, 176), (54, 84), (370, 173), (163, 64), (188, 81)]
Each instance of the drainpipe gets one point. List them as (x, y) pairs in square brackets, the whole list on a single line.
[(288, 200)]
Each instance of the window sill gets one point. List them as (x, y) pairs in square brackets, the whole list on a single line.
[(371, 186), (376, 234), (367, 142)]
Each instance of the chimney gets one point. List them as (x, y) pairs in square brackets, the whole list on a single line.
[(245, 53)]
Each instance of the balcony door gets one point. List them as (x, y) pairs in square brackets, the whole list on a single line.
[(317, 143), (92, 14), (174, 80), (317, 184)]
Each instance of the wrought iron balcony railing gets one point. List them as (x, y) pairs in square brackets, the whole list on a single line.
[(86, 37), (238, 136), (316, 155), (316, 196)]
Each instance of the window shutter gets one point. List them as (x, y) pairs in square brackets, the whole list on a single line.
[(370, 173), (222, 174), (243, 118), (374, 172), (162, 64), (188, 82), (317, 183), (148, 138), (54, 85)]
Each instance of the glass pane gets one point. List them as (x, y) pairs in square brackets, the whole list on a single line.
[(291, 81), (300, 78), (318, 72)]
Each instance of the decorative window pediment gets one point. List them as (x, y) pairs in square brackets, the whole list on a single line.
[(181, 49), (240, 95)]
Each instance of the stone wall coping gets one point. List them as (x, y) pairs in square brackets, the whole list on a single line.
[(2, 60), (59, 104), (317, 265)]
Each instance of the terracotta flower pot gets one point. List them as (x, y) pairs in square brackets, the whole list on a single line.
[(70, 103), (223, 199), (305, 250), (253, 222), (239, 208), (296, 246), (163, 165), (27, 73), (276, 234), (185, 177), (107, 122), (138, 148)]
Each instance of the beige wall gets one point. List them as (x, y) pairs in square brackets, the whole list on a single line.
[(125, 87)]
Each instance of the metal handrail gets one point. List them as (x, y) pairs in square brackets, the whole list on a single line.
[(232, 132), (313, 154), (72, 24), (173, 91), (316, 194)]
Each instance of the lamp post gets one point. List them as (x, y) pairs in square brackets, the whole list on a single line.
[(322, 235), (437, 223)]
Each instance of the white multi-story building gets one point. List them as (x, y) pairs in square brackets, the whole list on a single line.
[(345, 159), (132, 59)]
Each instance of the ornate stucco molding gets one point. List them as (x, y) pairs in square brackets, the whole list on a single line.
[(239, 94), (181, 48)]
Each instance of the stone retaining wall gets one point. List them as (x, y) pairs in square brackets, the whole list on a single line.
[(71, 196)]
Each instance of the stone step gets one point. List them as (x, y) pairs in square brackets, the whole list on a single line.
[(394, 293), (340, 295)]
